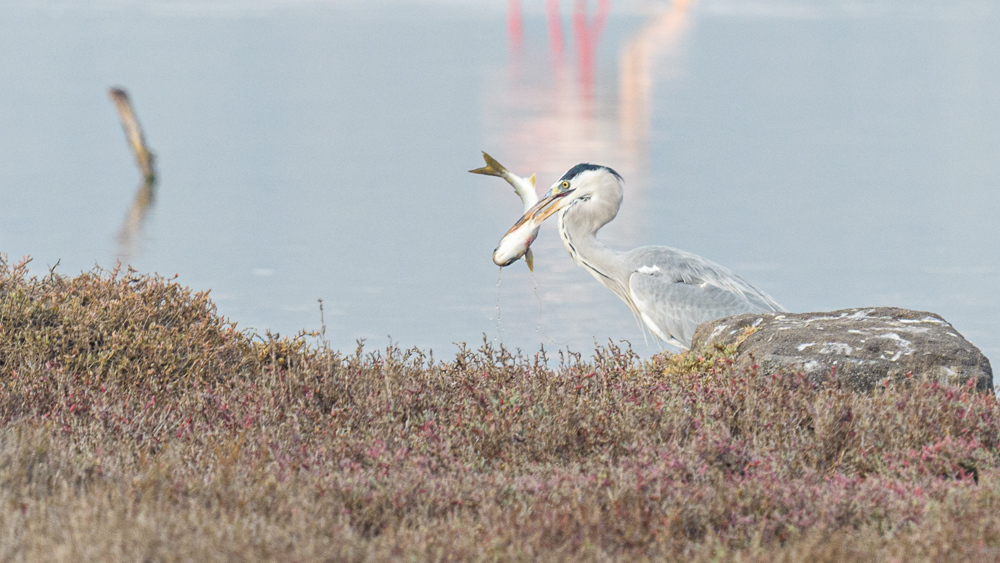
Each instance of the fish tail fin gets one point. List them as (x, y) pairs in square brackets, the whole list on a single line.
[(532, 180), (530, 259), (492, 168)]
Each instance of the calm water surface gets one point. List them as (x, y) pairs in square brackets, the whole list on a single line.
[(835, 154)]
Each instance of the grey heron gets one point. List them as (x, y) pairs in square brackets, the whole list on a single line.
[(669, 290)]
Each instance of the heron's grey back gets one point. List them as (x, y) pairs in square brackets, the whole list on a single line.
[(678, 290)]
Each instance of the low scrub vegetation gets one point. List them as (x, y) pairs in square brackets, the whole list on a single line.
[(138, 424)]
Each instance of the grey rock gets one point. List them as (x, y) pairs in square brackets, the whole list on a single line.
[(860, 347)]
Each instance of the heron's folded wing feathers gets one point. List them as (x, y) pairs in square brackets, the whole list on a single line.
[(678, 307), (692, 269)]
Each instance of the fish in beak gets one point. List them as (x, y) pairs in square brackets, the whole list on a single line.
[(550, 203), (514, 247), (517, 242), (523, 187)]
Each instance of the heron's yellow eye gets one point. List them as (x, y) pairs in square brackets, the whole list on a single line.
[(564, 185)]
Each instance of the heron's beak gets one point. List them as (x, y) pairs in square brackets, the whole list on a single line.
[(552, 201)]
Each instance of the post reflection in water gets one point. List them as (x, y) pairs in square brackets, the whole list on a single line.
[(130, 234), (546, 118)]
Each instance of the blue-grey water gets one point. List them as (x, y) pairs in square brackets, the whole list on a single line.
[(836, 154)]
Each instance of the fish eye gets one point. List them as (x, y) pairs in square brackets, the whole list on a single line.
[(564, 185)]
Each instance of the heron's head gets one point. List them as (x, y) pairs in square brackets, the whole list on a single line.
[(599, 188)]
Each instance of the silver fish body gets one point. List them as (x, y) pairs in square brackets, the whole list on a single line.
[(515, 244)]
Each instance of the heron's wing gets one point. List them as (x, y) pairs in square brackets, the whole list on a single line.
[(675, 291), (673, 309), (695, 270)]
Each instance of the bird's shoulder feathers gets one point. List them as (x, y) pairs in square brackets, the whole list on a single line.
[(670, 265)]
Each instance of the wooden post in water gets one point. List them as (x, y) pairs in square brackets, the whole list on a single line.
[(133, 132), (131, 230)]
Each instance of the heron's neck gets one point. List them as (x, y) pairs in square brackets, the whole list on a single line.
[(580, 238), (579, 234)]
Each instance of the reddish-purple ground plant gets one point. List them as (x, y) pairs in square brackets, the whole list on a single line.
[(135, 423)]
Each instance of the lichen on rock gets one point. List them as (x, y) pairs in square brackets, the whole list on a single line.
[(861, 346)]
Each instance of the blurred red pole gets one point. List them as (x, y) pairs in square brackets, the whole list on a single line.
[(587, 38), (514, 30), (555, 30)]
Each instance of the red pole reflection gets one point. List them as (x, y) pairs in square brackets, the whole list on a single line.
[(555, 31), (514, 31), (587, 35), (587, 38)]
